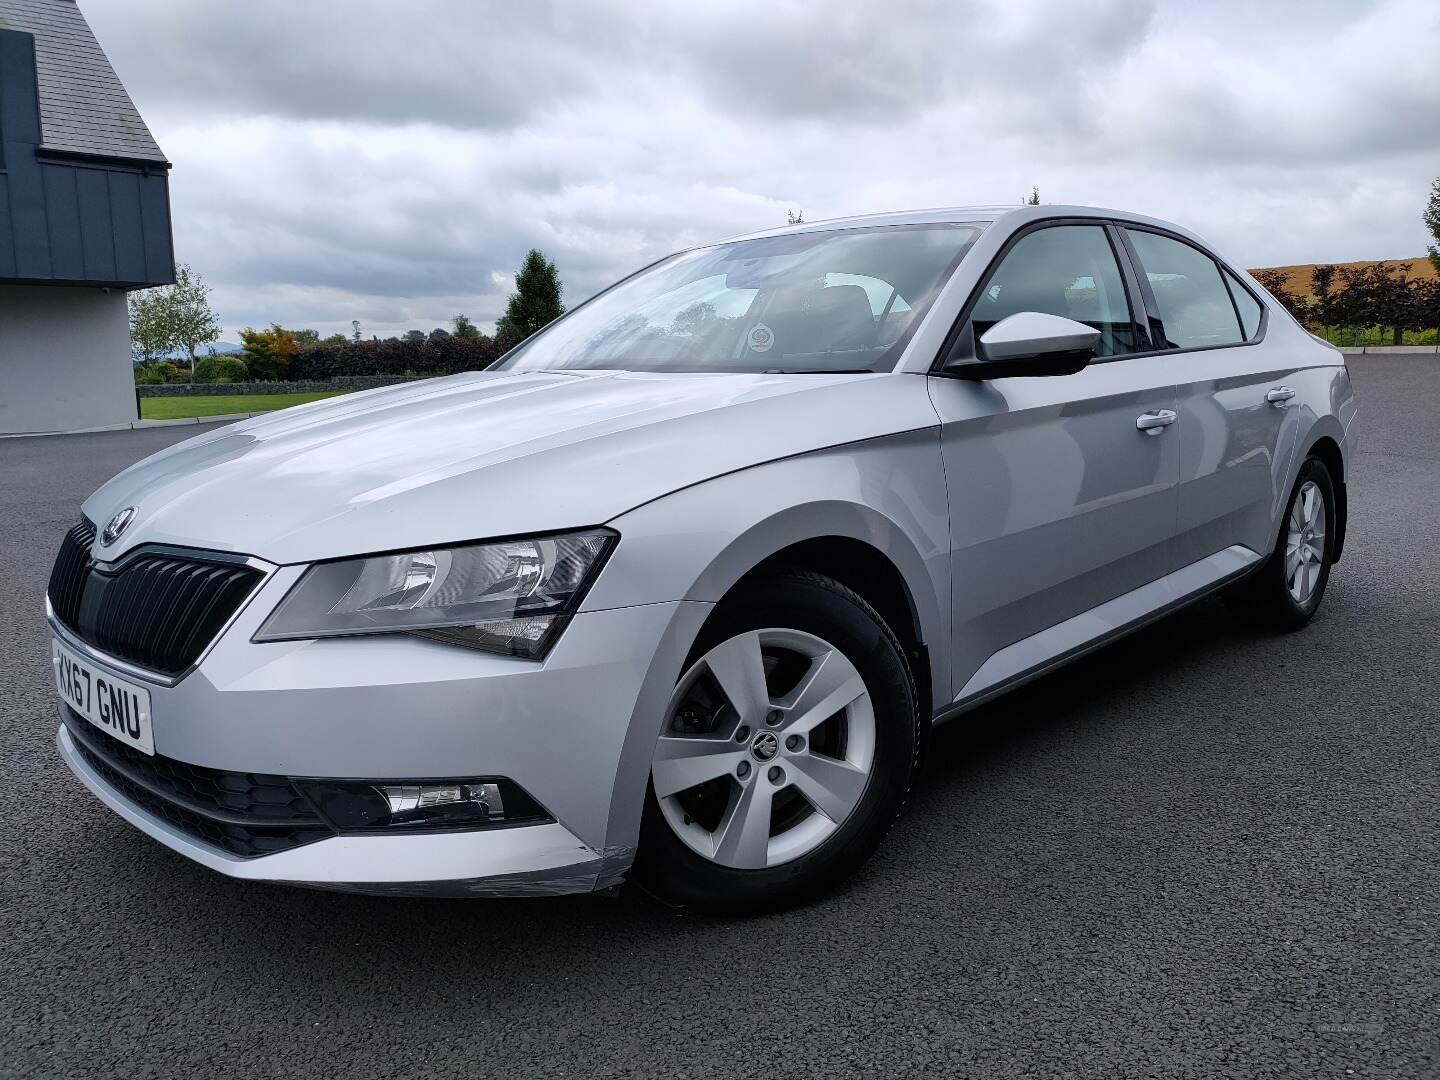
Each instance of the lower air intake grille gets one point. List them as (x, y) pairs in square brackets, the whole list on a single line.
[(246, 814)]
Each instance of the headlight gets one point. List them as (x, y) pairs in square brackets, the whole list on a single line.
[(510, 596)]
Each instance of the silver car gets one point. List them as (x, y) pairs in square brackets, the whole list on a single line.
[(678, 589)]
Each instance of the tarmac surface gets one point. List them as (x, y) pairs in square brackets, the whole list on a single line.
[(1201, 852)]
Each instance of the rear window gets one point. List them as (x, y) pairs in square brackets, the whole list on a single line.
[(1193, 299), (1246, 304)]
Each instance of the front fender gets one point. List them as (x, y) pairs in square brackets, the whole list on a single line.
[(695, 544)]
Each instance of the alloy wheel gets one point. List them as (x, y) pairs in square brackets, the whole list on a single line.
[(1305, 542), (768, 747)]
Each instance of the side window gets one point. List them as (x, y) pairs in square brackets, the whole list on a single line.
[(1246, 304), (1193, 300), (1067, 270)]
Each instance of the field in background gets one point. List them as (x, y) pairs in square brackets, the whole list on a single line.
[(179, 408), (1297, 281), (1297, 278)]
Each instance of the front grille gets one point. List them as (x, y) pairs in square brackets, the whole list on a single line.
[(158, 611), (72, 567), (246, 814)]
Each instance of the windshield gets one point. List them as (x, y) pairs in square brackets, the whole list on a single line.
[(822, 301)]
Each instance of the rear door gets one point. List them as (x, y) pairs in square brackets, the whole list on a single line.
[(1237, 426), (1058, 502)]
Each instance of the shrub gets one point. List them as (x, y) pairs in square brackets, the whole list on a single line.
[(442, 356), (166, 370), (181, 375), (221, 369), (268, 352), (146, 375)]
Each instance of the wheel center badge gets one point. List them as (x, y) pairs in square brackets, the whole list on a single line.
[(118, 524), (765, 746)]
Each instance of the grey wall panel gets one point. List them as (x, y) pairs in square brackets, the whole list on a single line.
[(67, 259), (7, 249), (125, 226), (30, 234), (155, 218), (20, 122), (19, 101), (97, 233)]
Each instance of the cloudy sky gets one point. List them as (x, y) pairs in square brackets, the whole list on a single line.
[(392, 162)]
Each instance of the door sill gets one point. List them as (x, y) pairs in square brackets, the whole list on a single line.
[(1031, 657)]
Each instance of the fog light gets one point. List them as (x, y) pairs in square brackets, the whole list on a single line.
[(365, 806)]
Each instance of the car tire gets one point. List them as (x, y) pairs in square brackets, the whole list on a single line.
[(1274, 597), (795, 608)]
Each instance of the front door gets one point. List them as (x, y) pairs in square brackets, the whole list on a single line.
[(1058, 501)]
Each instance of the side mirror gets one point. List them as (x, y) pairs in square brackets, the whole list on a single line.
[(1028, 343)]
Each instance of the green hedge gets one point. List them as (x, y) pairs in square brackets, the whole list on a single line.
[(221, 369)]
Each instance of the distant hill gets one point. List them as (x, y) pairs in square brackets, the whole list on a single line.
[(220, 348), (1297, 278)]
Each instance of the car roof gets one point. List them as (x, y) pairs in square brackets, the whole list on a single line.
[(980, 215)]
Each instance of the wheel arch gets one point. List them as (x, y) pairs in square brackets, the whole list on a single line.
[(863, 550), (1327, 449), (869, 573)]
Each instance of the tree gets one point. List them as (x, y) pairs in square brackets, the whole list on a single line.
[(464, 328), (1034, 197), (1324, 301), (335, 339), (149, 330), (355, 324), (1277, 283), (1432, 222), (173, 317), (306, 339), (192, 322), (268, 352), (1427, 305), (1380, 294), (414, 335), (439, 334), (794, 217), (535, 301)]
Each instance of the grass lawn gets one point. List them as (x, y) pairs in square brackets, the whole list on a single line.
[(176, 408)]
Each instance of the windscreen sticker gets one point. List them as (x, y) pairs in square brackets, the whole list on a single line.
[(761, 338)]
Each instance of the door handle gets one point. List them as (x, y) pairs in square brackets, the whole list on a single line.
[(1278, 395), (1153, 423)]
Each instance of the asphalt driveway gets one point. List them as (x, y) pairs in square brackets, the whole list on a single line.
[(1201, 852)]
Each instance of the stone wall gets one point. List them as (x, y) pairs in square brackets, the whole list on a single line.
[(342, 382)]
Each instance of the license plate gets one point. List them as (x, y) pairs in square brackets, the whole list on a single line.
[(116, 706)]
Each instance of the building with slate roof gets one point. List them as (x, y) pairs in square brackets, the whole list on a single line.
[(84, 218)]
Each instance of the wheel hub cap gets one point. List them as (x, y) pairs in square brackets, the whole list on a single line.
[(812, 749), (1305, 542), (765, 746)]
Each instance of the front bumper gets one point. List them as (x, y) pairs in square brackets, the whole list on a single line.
[(534, 860), (576, 732)]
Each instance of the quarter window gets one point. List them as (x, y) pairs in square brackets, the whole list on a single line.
[(1246, 304), (1193, 300), (1067, 270)]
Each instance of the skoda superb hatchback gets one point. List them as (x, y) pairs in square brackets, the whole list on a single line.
[(678, 588)]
